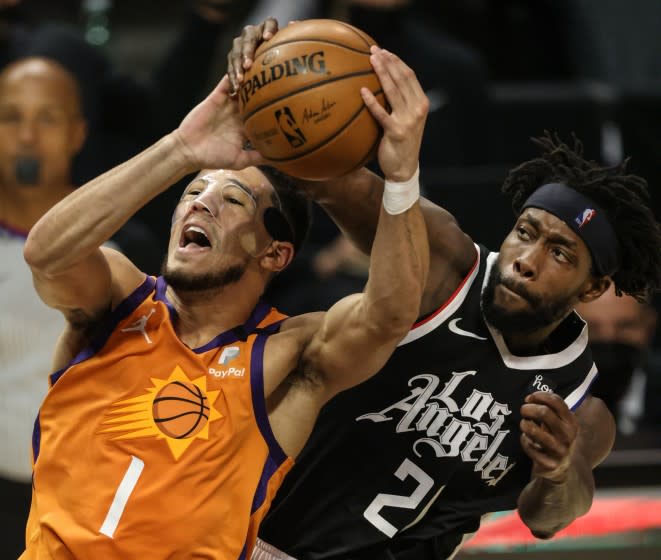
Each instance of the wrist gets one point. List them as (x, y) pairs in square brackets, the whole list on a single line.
[(399, 196), (180, 153)]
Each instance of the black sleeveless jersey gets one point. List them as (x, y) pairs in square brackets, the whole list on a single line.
[(429, 444)]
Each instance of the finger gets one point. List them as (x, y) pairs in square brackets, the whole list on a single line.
[(224, 86), (251, 35), (537, 455), (234, 64), (379, 61), (270, 27), (374, 107), (552, 400), (404, 78), (562, 429), (545, 440)]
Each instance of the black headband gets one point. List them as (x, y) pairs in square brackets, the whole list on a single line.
[(277, 225), (585, 218)]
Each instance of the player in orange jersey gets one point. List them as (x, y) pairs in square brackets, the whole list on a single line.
[(179, 403)]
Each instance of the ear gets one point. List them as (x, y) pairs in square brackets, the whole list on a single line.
[(596, 286), (278, 256)]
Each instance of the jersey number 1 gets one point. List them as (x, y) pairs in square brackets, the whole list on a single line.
[(425, 484), (122, 495)]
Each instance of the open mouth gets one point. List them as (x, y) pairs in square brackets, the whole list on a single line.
[(194, 237)]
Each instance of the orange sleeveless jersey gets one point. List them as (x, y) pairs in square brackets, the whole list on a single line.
[(146, 449)]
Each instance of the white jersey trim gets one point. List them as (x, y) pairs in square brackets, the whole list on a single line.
[(447, 309), (577, 395), (546, 361)]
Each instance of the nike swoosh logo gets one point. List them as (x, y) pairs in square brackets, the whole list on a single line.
[(452, 327)]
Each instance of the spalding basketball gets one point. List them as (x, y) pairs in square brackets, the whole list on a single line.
[(180, 409), (301, 104)]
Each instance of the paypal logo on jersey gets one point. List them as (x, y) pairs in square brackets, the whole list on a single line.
[(226, 356), (584, 217)]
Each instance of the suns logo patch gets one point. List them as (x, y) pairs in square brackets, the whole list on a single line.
[(177, 409)]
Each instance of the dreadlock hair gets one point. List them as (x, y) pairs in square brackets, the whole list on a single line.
[(291, 201), (624, 198)]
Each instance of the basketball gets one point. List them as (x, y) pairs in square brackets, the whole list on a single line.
[(301, 104), (180, 409)]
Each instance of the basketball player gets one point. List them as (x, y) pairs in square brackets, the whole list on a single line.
[(179, 402), (485, 404)]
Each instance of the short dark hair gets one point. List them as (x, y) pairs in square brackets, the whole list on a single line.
[(624, 197), (291, 201)]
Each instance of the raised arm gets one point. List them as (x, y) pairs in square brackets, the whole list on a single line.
[(565, 447), (70, 270), (353, 201), (359, 333)]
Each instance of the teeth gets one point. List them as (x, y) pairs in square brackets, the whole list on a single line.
[(196, 229)]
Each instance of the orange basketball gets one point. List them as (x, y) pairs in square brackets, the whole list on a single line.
[(301, 102), (180, 409)]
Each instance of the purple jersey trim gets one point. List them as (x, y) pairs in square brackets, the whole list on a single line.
[(14, 231), (223, 339), (587, 392), (259, 402), (242, 556), (262, 486), (108, 325), (36, 439)]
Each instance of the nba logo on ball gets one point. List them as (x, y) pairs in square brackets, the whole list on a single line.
[(301, 102)]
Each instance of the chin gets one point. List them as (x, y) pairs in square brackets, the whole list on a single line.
[(186, 280)]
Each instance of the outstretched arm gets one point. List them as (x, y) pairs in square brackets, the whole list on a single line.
[(70, 270), (360, 332), (564, 448), (353, 201)]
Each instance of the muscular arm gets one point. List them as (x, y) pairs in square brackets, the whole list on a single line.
[(359, 333), (556, 496), (352, 202)]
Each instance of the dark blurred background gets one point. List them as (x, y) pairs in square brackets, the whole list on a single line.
[(497, 72)]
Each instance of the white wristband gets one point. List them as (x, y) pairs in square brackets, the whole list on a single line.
[(399, 197)]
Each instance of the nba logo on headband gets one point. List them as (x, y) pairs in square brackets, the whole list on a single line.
[(584, 217)]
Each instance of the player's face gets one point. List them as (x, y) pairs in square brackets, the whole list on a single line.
[(542, 269), (39, 120), (217, 228)]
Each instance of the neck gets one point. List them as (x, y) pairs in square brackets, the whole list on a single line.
[(22, 206), (531, 343), (203, 315)]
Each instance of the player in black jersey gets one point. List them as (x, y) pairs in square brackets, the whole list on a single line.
[(485, 405)]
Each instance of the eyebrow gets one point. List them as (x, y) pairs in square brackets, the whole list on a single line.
[(243, 187), (207, 179), (552, 237)]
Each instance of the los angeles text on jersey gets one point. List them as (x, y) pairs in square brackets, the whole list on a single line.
[(470, 430)]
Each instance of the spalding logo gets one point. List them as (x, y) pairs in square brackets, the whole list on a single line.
[(312, 62)]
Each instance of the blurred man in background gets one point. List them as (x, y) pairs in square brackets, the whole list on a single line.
[(41, 130), (621, 331)]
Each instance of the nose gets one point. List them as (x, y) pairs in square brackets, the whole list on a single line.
[(27, 132), (525, 265), (205, 202)]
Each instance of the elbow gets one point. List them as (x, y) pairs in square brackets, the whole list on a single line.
[(36, 254), (33, 253), (394, 324)]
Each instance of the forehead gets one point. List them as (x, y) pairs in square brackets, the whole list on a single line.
[(552, 226), (44, 88), (250, 178)]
